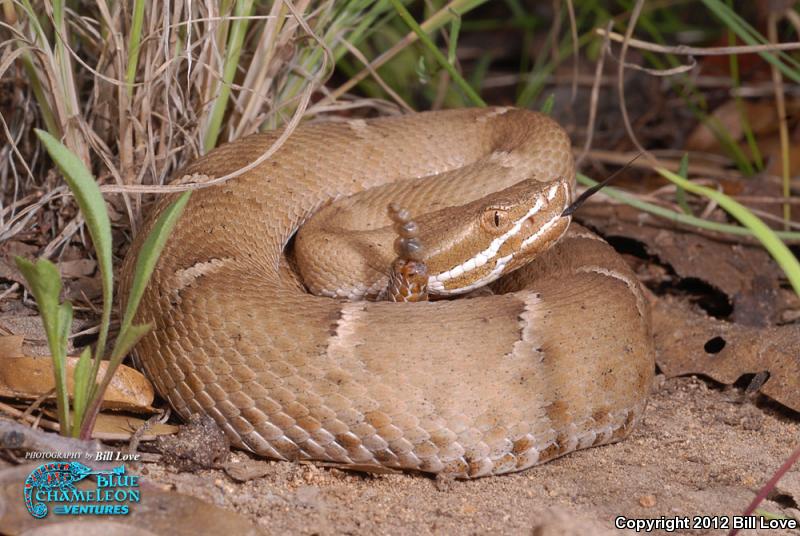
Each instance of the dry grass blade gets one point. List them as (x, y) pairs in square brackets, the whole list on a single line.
[(686, 50)]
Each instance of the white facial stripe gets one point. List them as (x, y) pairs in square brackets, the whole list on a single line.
[(437, 286), (546, 227), (551, 193), (482, 258)]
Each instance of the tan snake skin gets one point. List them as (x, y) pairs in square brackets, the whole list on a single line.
[(470, 387)]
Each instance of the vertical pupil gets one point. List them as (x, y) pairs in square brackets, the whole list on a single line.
[(496, 219)]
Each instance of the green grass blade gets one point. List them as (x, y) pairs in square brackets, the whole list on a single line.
[(243, 8), (436, 53), (64, 327), (44, 282), (125, 342), (134, 43), (679, 217), (733, 64), (93, 208), (455, 29), (749, 35), (785, 258), (680, 193), (81, 387), (146, 261), (547, 105)]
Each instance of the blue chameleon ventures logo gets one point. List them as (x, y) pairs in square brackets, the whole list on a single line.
[(54, 482)]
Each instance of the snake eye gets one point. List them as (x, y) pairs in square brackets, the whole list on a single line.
[(495, 220)]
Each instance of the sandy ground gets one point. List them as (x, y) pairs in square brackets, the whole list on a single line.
[(700, 451)]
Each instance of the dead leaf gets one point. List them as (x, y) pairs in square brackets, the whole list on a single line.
[(11, 346), (30, 327), (741, 282), (83, 288), (77, 268), (762, 116), (691, 343), (770, 147), (9, 250), (118, 427), (31, 377)]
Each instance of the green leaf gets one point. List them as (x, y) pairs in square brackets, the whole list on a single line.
[(679, 217), (135, 38), (146, 261), (785, 259), (44, 282), (233, 50), (426, 41), (93, 208), (547, 106), (62, 391), (422, 71), (64, 325), (747, 33), (680, 193), (126, 341), (455, 28), (81, 386)]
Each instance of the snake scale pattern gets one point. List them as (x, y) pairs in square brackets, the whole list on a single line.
[(559, 358)]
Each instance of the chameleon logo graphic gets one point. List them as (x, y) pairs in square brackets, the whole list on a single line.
[(55, 481)]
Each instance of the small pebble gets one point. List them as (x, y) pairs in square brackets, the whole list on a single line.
[(647, 501)]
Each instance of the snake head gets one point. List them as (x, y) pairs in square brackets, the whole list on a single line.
[(474, 244)]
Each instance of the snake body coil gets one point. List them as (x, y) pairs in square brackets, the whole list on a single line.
[(559, 359)]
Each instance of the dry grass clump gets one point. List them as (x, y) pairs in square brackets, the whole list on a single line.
[(136, 88)]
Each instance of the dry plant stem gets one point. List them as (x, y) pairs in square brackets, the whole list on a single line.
[(441, 17), (698, 225), (171, 188), (65, 87), (672, 164), (764, 215), (794, 18), (6, 130), (222, 89), (686, 50), (770, 485), (766, 200), (672, 71), (258, 75), (573, 28), (783, 129), (593, 101), (637, 9), (10, 290), (14, 412), (312, 79), (389, 91), (434, 50), (555, 27), (36, 403)]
